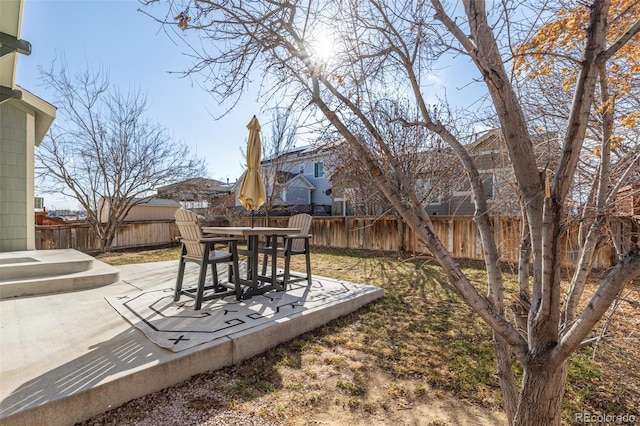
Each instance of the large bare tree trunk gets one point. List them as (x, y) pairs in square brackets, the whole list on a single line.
[(506, 378), (541, 395)]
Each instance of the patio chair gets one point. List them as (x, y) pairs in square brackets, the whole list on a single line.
[(202, 250), (292, 245)]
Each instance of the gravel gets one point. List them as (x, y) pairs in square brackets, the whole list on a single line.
[(202, 400)]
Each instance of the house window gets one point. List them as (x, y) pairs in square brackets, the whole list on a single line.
[(487, 182), (318, 171), (38, 203), (301, 168)]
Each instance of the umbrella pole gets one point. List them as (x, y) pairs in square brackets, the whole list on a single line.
[(252, 213)]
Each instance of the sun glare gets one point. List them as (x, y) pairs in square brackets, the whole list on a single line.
[(323, 48)]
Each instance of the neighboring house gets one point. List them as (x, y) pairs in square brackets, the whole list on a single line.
[(24, 122), (441, 184), (353, 191), (291, 189), (628, 202), (147, 208), (67, 215), (489, 151), (297, 181), (204, 196), (625, 223), (43, 219), (434, 174)]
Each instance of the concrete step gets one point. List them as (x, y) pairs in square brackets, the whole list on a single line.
[(27, 268), (32, 273), (42, 263)]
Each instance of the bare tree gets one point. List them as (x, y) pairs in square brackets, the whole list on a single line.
[(351, 185), (274, 147), (610, 159), (382, 52), (104, 152)]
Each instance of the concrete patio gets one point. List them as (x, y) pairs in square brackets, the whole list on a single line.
[(67, 356)]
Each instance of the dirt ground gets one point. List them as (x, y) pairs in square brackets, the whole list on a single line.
[(428, 408), (206, 400)]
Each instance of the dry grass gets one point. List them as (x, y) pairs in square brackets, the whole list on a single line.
[(414, 348), (139, 256)]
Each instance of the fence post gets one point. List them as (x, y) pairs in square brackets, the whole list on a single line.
[(400, 228), (347, 229), (74, 239)]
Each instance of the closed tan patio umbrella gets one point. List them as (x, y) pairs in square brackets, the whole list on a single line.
[(252, 194)]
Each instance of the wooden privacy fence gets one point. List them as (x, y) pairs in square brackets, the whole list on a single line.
[(458, 234), (81, 237)]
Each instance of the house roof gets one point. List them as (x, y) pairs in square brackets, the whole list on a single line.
[(45, 220), (299, 180), (200, 183), (236, 185), (302, 152), (10, 23), (10, 46), (290, 153), (151, 201), (284, 177), (44, 112), (492, 140), (156, 202)]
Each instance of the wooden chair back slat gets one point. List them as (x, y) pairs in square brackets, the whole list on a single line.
[(301, 221), (190, 232)]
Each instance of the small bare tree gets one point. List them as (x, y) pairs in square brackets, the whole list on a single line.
[(104, 152), (282, 139)]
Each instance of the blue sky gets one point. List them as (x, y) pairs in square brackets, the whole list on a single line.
[(138, 54)]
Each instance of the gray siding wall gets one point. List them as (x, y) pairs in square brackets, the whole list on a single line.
[(13, 178), (462, 206), (441, 209), (321, 184)]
